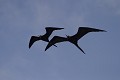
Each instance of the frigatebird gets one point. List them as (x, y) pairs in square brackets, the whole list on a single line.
[(44, 37), (73, 39)]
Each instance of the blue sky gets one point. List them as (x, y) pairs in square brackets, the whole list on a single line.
[(20, 19)]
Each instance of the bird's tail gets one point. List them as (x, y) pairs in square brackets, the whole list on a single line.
[(79, 47)]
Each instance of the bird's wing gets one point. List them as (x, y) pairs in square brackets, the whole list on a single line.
[(49, 30), (84, 30), (54, 40), (32, 40)]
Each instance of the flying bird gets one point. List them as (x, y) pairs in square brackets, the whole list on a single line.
[(44, 37), (73, 39)]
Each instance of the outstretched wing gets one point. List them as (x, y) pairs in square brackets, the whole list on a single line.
[(84, 30), (54, 40), (32, 40), (49, 30)]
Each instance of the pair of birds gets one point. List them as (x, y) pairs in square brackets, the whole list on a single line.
[(57, 39)]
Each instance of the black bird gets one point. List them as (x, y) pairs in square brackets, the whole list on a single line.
[(73, 39), (44, 37)]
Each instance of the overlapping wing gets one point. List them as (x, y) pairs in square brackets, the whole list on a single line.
[(54, 40)]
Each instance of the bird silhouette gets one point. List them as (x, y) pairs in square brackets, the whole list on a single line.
[(73, 39), (44, 37)]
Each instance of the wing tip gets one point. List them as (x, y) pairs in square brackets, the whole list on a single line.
[(29, 46), (46, 48), (104, 31), (101, 30)]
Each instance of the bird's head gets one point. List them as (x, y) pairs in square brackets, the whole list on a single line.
[(39, 36)]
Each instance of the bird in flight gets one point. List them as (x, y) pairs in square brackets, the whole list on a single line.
[(44, 37), (73, 39)]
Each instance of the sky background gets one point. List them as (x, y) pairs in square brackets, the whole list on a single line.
[(20, 19)]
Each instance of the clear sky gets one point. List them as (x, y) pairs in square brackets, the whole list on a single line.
[(20, 19)]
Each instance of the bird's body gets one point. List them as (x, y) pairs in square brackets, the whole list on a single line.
[(44, 37), (73, 39)]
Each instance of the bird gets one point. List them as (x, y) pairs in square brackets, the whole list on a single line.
[(74, 38), (44, 37)]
